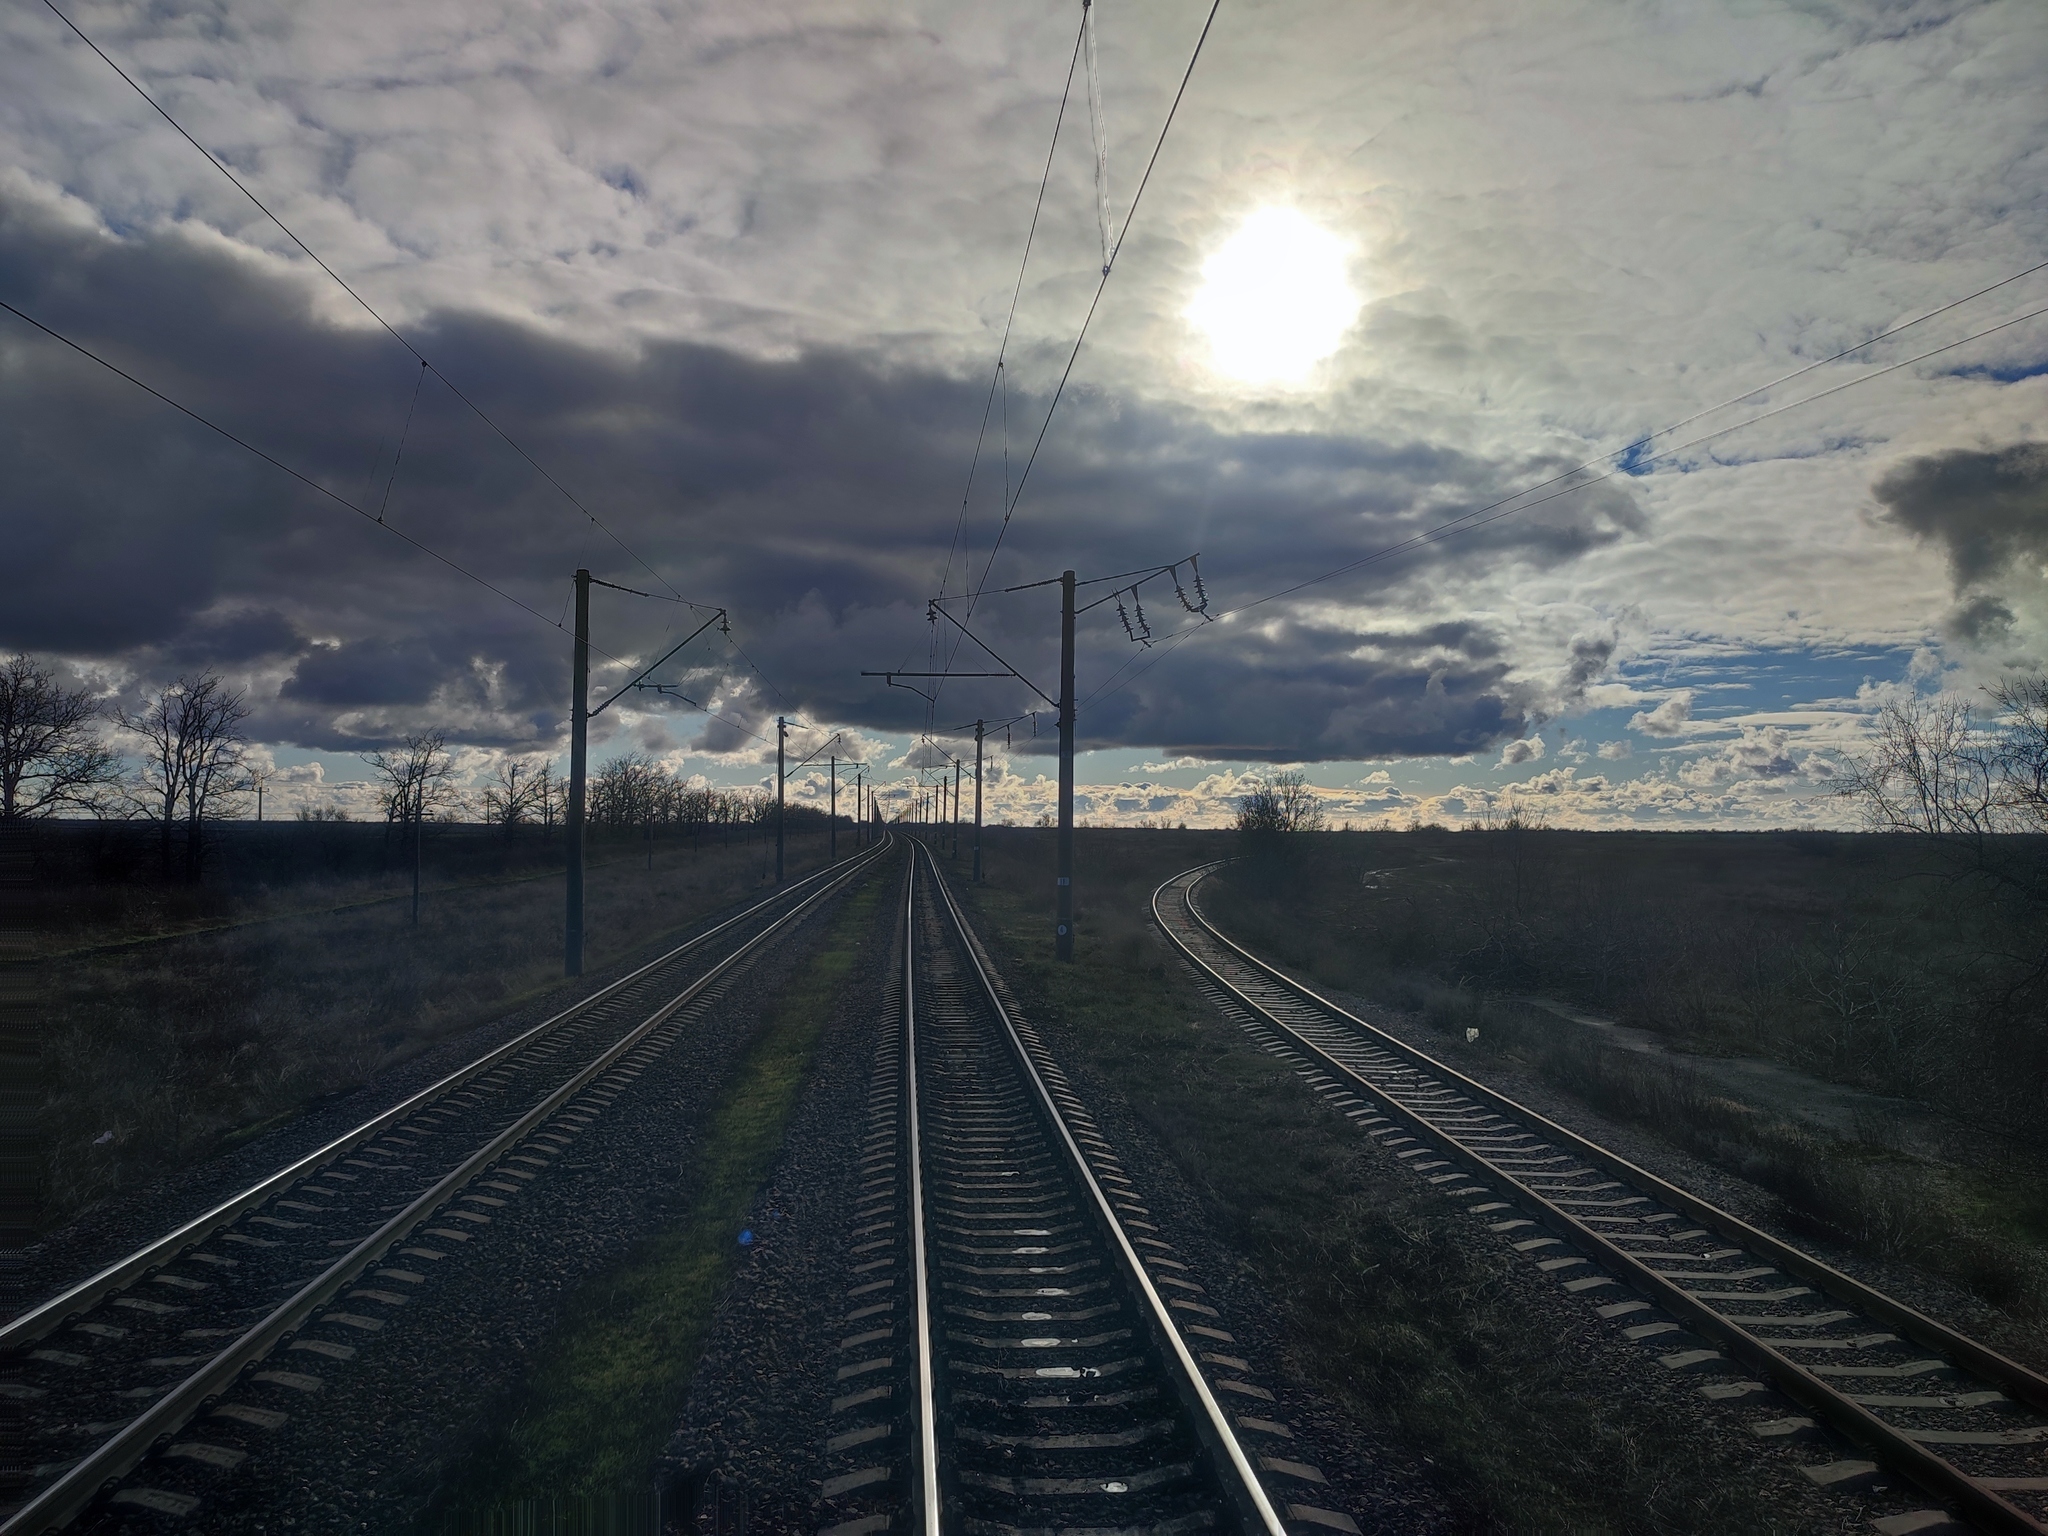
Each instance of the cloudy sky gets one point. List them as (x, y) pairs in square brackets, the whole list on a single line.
[(734, 280)]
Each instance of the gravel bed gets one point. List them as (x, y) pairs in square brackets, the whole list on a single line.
[(757, 1416), (369, 1450), (124, 1222)]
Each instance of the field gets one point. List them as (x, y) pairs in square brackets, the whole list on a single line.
[(1837, 1018), (174, 1021)]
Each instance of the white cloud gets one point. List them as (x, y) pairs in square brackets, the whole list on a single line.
[(1760, 752), (1617, 751), (1667, 719), (787, 177)]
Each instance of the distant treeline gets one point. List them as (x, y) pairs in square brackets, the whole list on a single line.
[(625, 807), (635, 791)]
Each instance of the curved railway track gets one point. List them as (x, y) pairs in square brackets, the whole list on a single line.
[(1054, 1377), (1706, 1289), (217, 1326)]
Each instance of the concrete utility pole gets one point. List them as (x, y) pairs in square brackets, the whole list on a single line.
[(956, 807), (977, 802), (579, 743), (834, 853), (1063, 937), (781, 737)]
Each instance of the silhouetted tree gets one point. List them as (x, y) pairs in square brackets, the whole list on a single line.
[(516, 793), (419, 778), (193, 748), (1283, 803), (49, 756)]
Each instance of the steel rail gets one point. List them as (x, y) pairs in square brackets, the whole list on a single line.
[(74, 1492), (927, 1389), (1249, 1490), (1932, 1472), (122, 1273)]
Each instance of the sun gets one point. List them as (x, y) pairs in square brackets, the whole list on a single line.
[(1276, 298)]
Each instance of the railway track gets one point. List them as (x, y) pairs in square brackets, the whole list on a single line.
[(1705, 1289), (1054, 1368), (165, 1369)]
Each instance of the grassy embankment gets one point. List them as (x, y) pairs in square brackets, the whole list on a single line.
[(603, 1395), (1389, 1308), (1853, 959), (173, 1051)]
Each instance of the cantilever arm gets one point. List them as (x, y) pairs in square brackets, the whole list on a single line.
[(620, 693), (970, 634)]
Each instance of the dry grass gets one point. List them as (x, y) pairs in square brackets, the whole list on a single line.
[(159, 1055), (1435, 933), (1866, 960)]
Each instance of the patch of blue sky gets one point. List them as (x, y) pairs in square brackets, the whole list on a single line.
[(2001, 373), (1765, 677), (1636, 459), (1850, 442)]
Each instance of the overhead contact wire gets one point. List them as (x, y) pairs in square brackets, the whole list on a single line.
[(277, 463), (334, 496), (1467, 522), (1088, 319), (368, 308), (998, 379)]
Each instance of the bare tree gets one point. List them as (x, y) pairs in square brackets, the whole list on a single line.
[(49, 758), (549, 797), (193, 748), (418, 779), (1931, 770), (515, 794), (1937, 770), (1283, 803), (2022, 750)]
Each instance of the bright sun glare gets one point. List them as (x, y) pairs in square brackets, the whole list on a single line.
[(1275, 300)]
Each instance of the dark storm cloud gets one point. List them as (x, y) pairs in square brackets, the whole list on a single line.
[(230, 639), (814, 495), (365, 672), (1987, 509), (1296, 691), (1981, 620)]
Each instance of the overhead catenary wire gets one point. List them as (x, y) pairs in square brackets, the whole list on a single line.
[(1471, 521), (314, 485), (277, 463), (1024, 476), (996, 379), (1749, 394), (1098, 127), (405, 432), (368, 308), (1111, 249), (999, 378)]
